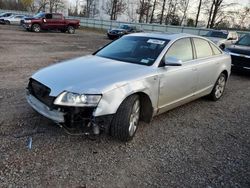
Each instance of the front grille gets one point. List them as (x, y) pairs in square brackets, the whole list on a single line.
[(240, 61), (41, 92)]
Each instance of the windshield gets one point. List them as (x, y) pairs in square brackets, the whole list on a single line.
[(39, 15), (244, 41), (124, 27), (134, 49), (217, 34)]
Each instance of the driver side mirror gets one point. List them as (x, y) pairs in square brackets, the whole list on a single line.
[(172, 61)]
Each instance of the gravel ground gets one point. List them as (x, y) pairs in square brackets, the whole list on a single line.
[(201, 144)]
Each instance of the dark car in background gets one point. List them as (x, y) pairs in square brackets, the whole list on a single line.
[(122, 30), (240, 53), (50, 21)]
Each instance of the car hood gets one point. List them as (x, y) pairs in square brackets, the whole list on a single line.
[(239, 49), (216, 40), (89, 75)]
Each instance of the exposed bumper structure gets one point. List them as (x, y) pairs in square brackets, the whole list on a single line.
[(45, 110)]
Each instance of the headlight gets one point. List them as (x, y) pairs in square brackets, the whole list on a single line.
[(80, 100), (121, 32), (27, 21)]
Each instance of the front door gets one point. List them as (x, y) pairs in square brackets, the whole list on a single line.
[(48, 22), (178, 83)]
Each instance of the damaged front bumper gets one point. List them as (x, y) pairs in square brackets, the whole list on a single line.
[(72, 119), (41, 108)]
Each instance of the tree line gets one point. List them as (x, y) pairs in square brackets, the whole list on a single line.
[(31, 5), (211, 13)]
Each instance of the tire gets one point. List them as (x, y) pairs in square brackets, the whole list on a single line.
[(126, 120), (219, 88), (7, 22), (71, 29), (36, 28)]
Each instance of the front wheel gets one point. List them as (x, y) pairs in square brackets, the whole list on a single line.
[(219, 88), (71, 29), (36, 28), (126, 120), (7, 22)]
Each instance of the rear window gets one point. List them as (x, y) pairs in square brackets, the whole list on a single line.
[(203, 48), (56, 16)]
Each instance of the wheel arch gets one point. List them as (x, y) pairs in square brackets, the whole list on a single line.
[(110, 106), (70, 24), (36, 23), (226, 73), (146, 113)]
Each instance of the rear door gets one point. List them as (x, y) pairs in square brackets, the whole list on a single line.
[(208, 61), (58, 21), (178, 83)]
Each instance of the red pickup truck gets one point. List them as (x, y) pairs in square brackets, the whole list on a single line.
[(48, 21)]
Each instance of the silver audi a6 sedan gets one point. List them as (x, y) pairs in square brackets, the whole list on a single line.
[(131, 79)]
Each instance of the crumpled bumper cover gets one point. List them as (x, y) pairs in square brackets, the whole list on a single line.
[(45, 110)]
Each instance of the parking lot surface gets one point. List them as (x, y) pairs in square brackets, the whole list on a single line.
[(201, 144)]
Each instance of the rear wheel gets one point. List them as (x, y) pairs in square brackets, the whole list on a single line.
[(126, 120), (219, 88), (36, 28), (71, 29)]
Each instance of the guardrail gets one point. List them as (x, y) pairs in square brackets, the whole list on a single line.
[(108, 24)]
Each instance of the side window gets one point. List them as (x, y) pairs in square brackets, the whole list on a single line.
[(203, 48), (215, 49), (181, 49), (56, 16), (48, 16)]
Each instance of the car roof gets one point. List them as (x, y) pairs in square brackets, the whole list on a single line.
[(167, 36)]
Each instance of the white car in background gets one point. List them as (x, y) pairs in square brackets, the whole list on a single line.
[(222, 38), (14, 19)]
